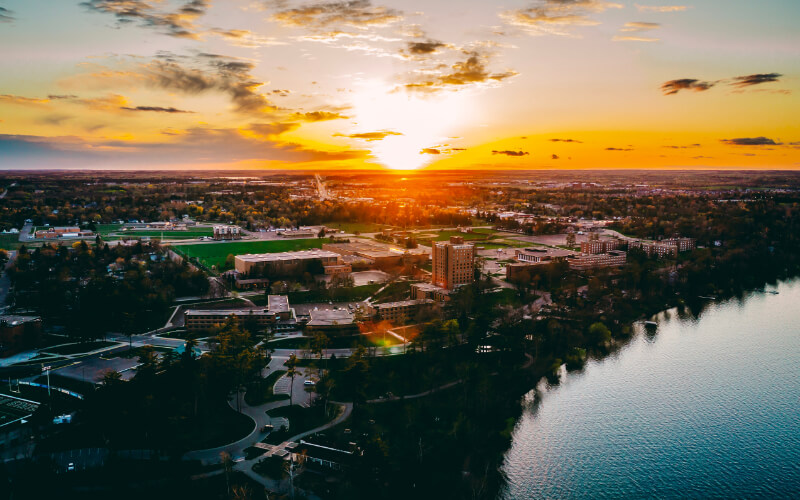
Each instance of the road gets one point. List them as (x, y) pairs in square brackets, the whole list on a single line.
[(323, 192)]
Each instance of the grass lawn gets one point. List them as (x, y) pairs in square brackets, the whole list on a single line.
[(214, 254), (9, 241), (106, 229), (80, 347), (352, 227), (260, 393), (135, 352)]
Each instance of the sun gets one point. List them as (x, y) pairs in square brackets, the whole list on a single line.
[(419, 121)]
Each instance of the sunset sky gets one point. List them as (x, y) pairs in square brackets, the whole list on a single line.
[(274, 84)]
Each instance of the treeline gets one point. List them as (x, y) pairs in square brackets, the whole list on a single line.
[(94, 290)]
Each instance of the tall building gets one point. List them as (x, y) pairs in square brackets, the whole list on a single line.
[(453, 263), (601, 246)]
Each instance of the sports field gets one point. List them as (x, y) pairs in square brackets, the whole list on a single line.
[(214, 254)]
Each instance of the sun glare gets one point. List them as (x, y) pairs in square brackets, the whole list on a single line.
[(414, 123)]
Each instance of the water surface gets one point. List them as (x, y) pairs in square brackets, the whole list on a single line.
[(706, 407)]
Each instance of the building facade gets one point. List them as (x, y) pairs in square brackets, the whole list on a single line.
[(601, 246), (453, 263), (284, 263), (401, 311), (227, 233), (276, 315), (585, 261)]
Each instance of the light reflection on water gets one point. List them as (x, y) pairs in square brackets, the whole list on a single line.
[(704, 407)]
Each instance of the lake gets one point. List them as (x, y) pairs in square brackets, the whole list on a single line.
[(704, 407)]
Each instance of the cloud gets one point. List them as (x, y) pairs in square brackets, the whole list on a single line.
[(510, 153), (370, 136), (23, 101), (619, 149), (430, 151), (6, 16), (192, 75), (661, 8), (757, 79), (358, 14), (554, 157), (751, 141), (555, 17), (566, 140), (674, 86), (178, 23), (620, 38), (246, 38), (194, 146), (638, 27), (472, 70), (422, 49), (683, 147), (319, 116), (157, 109)]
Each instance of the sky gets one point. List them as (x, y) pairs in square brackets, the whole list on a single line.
[(365, 84)]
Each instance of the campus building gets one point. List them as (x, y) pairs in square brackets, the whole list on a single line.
[(538, 255), (381, 256), (586, 261), (284, 263), (601, 246), (401, 311), (62, 232), (18, 333), (421, 291), (453, 263), (227, 233), (664, 248), (332, 322), (277, 315)]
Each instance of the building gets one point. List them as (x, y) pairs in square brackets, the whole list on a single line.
[(601, 246), (401, 311), (325, 457), (332, 321), (18, 333), (297, 234), (277, 315), (227, 233), (421, 291), (338, 269), (515, 270), (537, 255), (62, 232), (586, 261), (285, 263), (453, 263), (664, 248), (381, 256)]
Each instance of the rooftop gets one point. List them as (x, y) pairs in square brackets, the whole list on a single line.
[(329, 317), (278, 303), (298, 255)]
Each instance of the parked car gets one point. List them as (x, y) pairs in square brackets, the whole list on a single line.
[(309, 382)]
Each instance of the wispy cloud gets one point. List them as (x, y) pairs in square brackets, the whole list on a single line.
[(370, 136), (471, 70), (508, 152), (177, 23), (555, 17), (6, 16), (157, 109), (674, 86), (751, 141), (661, 8), (757, 79), (357, 14), (566, 140)]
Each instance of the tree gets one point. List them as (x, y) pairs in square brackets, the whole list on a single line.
[(570, 239), (291, 372), (230, 261), (227, 464)]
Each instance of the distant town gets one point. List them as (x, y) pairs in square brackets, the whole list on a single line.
[(277, 332)]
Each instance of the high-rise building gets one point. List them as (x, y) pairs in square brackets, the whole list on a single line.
[(453, 263)]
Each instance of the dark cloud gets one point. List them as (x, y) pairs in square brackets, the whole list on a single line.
[(566, 140), (683, 147), (510, 153), (751, 141), (619, 149), (674, 86), (430, 151), (370, 136), (326, 15), (57, 97), (157, 109), (424, 48), (319, 116), (6, 16), (177, 23), (555, 17), (472, 70), (554, 157), (750, 80), (215, 72)]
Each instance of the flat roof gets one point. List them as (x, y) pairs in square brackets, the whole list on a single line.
[(329, 317), (552, 252), (278, 303), (13, 319), (228, 312), (276, 257), (402, 303)]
